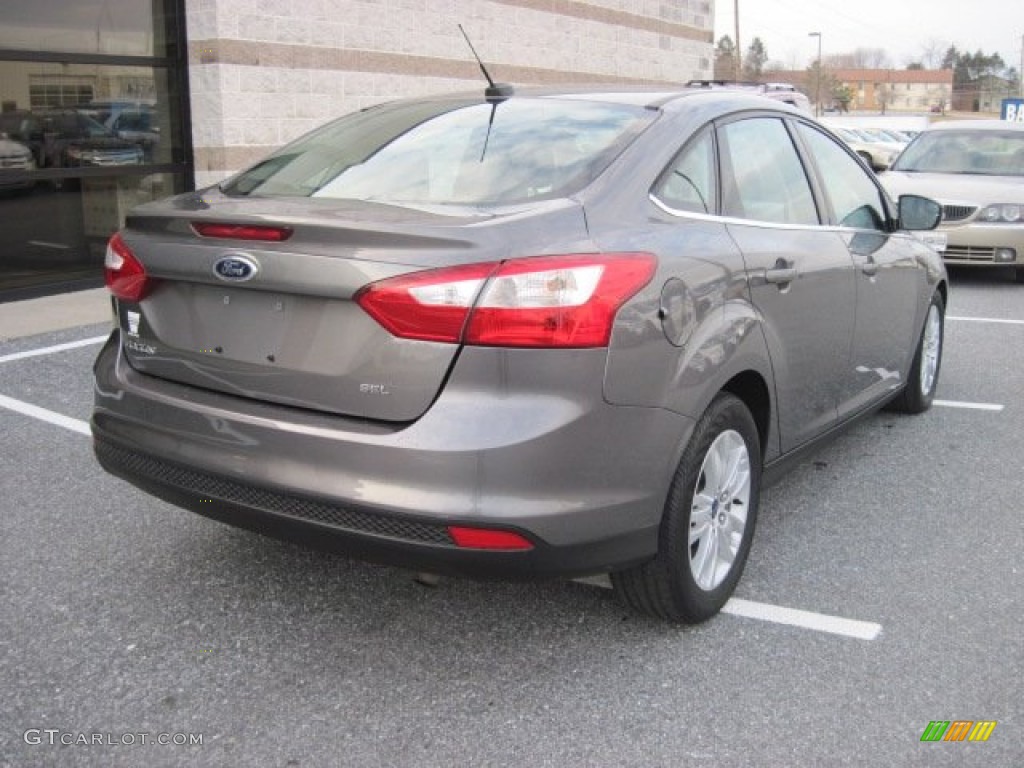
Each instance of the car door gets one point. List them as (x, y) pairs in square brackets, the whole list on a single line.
[(886, 274), (800, 272)]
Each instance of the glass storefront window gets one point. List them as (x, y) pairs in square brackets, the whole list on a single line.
[(50, 234), (88, 115), (112, 27), (92, 96)]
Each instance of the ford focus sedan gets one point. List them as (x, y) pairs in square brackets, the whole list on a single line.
[(543, 334)]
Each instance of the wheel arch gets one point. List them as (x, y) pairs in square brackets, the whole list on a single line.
[(751, 388)]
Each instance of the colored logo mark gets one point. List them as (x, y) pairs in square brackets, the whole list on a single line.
[(958, 730)]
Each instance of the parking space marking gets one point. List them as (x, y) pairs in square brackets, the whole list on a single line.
[(984, 320), (52, 417), (778, 614), (55, 348), (972, 406), (821, 622)]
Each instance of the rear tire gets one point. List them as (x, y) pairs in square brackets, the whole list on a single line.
[(708, 522), (923, 378)]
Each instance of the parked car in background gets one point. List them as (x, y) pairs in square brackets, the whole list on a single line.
[(139, 126), (15, 157), (66, 138), (784, 92), (877, 155), (555, 333), (975, 169)]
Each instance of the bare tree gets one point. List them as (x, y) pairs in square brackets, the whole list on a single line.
[(932, 53)]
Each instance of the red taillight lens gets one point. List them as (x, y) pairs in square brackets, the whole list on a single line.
[(239, 232), (487, 538), (430, 306), (123, 273), (543, 301)]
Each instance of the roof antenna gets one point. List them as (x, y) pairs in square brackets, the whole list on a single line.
[(495, 93)]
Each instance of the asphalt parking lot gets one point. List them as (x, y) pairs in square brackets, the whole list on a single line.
[(896, 547)]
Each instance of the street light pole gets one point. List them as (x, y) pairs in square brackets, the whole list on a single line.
[(817, 84)]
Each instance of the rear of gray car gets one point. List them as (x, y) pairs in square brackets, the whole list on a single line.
[(480, 338)]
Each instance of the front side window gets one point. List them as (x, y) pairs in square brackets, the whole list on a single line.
[(856, 201), (763, 178), (450, 152), (689, 183)]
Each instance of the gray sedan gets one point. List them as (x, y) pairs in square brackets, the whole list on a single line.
[(554, 333)]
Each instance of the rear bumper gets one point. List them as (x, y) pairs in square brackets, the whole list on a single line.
[(583, 480)]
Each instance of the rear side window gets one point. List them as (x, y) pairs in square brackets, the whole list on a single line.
[(856, 201), (689, 184), (450, 152), (762, 176)]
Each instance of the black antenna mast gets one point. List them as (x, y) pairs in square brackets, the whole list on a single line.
[(495, 93)]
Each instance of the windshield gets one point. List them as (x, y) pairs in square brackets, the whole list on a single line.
[(988, 153), (451, 152)]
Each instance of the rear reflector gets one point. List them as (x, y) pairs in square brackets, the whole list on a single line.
[(124, 274), (540, 302), (242, 232), (487, 538)]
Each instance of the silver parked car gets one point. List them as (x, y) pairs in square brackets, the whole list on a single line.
[(552, 333), (975, 168)]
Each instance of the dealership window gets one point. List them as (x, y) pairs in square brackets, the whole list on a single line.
[(93, 120)]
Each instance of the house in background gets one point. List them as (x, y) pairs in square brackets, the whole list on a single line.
[(878, 90)]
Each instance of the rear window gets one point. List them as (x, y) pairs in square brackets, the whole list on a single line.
[(445, 152)]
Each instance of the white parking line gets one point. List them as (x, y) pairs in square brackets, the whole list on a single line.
[(777, 614), (972, 406), (51, 350), (836, 625), (984, 320), (52, 417)]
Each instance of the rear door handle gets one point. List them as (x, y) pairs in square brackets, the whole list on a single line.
[(780, 275)]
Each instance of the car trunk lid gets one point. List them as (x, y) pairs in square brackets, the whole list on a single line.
[(284, 326)]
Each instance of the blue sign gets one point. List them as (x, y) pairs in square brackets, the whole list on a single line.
[(1013, 110)]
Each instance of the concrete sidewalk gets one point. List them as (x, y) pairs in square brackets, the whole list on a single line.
[(53, 313)]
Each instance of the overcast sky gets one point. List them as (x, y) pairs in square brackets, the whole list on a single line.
[(904, 28)]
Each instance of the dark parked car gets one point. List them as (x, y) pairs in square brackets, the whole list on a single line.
[(66, 138), (561, 333)]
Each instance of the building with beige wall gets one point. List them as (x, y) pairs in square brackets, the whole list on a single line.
[(262, 72), (902, 90)]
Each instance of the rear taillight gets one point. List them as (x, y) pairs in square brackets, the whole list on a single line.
[(124, 274), (266, 234), (543, 301)]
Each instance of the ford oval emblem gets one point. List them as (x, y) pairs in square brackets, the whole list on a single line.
[(235, 268)]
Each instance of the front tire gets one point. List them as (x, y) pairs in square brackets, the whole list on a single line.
[(708, 523), (923, 378)]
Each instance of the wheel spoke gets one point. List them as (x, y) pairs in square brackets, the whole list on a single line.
[(700, 517), (708, 559)]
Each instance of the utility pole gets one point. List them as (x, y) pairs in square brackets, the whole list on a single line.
[(739, 50)]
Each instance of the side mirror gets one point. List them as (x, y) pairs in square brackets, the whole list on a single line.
[(918, 213)]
